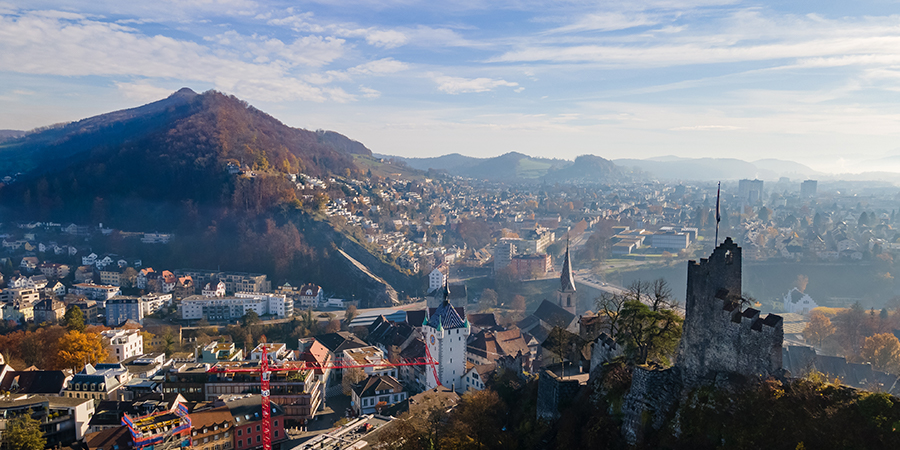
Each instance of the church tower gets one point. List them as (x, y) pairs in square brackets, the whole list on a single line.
[(565, 296), (445, 335)]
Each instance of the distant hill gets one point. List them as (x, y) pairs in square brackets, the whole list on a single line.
[(516, 166), (10, 134), (586, 169), (168, 151), (705, 169)]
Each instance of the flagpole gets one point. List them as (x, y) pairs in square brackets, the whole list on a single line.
[(718, 216)]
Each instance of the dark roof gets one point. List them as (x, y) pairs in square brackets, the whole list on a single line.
[(446, 316), (420, 404), (248, 409), (34, 382), (528, 322), (416, 318), (109, 438), (553, 315), (387, 333), (566, 280), (571, 342), (483, 320), (375, 383), (415, 349), (340, 341)]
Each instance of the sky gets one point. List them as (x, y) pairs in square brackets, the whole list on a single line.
[(817, 82)]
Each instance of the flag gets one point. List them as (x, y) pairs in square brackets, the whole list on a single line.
[(718, 194)]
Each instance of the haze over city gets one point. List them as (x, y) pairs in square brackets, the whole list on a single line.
[(812, 82)]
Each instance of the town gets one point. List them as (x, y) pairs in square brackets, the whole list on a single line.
[(164, 356)]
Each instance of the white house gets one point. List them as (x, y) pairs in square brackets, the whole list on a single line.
[(210, 290), (124, 344), (438, 277), (798, 302), (375, 392)]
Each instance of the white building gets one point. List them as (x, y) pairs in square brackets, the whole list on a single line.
[(228, 308), (438, 277), (124, 344), (311, 296), (375, 392), (97, 292), (151, 303), (211, 290), (798, 302), (371, 358), (445, 335)]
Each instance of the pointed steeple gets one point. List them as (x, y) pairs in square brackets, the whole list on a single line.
[(446, 292), (566, 280)]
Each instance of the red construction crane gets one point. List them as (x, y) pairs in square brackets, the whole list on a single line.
[(264, 371)]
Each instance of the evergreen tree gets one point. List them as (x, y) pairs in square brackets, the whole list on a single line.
[(74, 319), (24, 433)]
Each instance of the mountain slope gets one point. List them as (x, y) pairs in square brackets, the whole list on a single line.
[(169, 151)]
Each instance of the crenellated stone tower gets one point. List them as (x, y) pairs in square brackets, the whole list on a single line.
[(719, 335)]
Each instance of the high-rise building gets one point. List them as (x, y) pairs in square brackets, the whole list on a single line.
[(750, 192), (808, 188)]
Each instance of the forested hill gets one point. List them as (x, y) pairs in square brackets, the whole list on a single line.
[(514, 166), (167, 152)]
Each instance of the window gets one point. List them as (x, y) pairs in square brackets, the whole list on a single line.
[(258, 438), (257, 428), (239, 432), (276, 423), (240, 443), (276, 433)]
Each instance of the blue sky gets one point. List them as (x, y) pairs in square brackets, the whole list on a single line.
[(817, 82)]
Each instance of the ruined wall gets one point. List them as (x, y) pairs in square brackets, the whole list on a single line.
[(650, 401), (553, 392), (603, 350), (717, 335)]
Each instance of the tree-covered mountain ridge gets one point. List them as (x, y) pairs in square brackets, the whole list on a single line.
[(173, 150)]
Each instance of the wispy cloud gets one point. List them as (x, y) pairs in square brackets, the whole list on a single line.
[(459, 85), (707, 128)]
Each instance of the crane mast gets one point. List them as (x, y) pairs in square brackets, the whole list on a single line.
[(265, 372)]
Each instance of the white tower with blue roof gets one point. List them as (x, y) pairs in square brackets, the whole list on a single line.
[(445, 335)]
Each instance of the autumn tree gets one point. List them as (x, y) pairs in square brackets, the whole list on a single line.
[(333, 326), (77, 349), (476, 421), (350, 313), (352, 377), (883, 351), (148, 341), (518, 303), (818, 329), (23, 432), (488, 299), (74, 319)]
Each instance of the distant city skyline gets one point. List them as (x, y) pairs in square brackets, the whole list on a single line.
[(813, 82)]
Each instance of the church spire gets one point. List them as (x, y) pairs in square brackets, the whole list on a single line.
[(566, 280), (446, 292)]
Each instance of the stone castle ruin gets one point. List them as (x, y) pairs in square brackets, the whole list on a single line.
[(719, 338), (722, 343)]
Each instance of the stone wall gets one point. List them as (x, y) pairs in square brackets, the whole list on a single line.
[(554, 391), (650, 401), (603, 350)]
